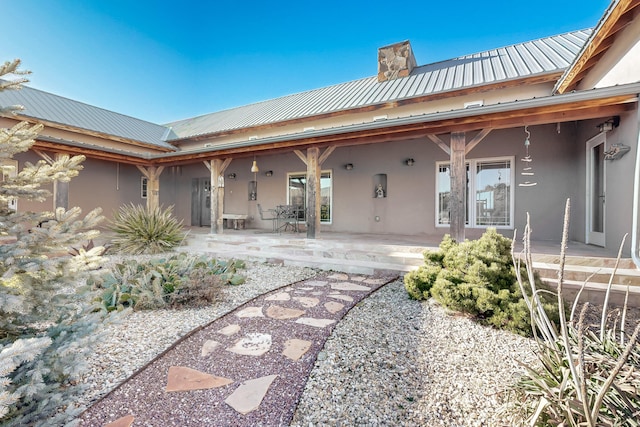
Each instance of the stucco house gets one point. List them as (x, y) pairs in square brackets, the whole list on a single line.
[(449, 147)]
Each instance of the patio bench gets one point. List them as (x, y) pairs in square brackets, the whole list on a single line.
[(237, 220)]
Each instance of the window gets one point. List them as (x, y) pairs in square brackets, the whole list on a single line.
[(489, 193), (143, 187), (297, 194)]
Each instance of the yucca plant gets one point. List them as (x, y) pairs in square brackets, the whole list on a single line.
[(583, 377), (146, 231)]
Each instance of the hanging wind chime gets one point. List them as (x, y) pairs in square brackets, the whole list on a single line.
[(527, 170)]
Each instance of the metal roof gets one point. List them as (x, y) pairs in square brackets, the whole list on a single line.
[(537, 57), (57, 109)]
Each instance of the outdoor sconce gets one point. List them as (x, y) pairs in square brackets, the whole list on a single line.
[(409, 162), (231, 176), (609, 125), (348, 166), (616, 151), (268, 173)]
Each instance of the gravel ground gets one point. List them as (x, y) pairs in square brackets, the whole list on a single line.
[(390, 360), (142, 335)]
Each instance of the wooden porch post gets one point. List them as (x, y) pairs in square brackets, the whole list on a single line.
[(152, 173), (217, 168), (313, 192), (458, 200)]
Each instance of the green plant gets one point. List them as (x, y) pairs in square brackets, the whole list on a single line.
[(475, 277), (139, 230), (180, 279), (47, 326), (584, 377)]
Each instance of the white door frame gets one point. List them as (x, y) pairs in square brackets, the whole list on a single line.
[(596, 235)]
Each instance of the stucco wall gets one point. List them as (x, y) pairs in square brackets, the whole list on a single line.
[(409, 207)]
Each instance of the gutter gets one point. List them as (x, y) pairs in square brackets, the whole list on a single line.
[(636, 200), (632, 89)]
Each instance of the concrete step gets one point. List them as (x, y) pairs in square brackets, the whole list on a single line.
[(595, 292), (580, 273)]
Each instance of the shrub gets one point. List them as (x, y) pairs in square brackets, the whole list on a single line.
[(475, 277), (178, 280), (146, 231), (582, 378)]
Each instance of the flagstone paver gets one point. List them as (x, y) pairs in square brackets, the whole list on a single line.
[(252, 345), (181, 378), (283, 313), (294, 348), (250, 312), (230, 330), (348, 286), (125, 421), (307, 301), (208, 347), (333, 307), (248, 367), (280, 296), (249, 395), (341, 297)]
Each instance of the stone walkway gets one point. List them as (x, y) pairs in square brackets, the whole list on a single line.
[(247, 368)]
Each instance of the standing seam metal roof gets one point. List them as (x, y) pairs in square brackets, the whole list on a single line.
[(57, 109), (546, 55)]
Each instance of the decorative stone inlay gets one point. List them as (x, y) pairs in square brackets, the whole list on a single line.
[(339, 276), (305, 289), (229, 330), (252, 345), (208, 347), (357, 278), (250, 312), (316, 283), (347, 286), (125, 421), (280, 296), (307, 302), (294, 348), (317, 293), (249, 395), (342, 297), (372, 281), (333, 307), (318, 323), (181, 378), (282, 313)]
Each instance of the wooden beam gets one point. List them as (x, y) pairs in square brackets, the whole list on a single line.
[(313, 192), (457, 196), (326, 154), (476, 140), (301, 156), (440, 142)]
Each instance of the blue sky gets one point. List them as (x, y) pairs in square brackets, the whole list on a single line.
[(168, 60)]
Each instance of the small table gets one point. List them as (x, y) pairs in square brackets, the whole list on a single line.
[(287, 216)]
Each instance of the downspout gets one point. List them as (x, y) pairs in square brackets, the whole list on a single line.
[(636, 198)]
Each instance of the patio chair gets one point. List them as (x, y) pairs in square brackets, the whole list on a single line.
[(271, 216)]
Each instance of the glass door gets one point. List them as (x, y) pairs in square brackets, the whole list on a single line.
[(596, 189)]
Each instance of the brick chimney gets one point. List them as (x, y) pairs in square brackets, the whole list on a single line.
[(395, 60)]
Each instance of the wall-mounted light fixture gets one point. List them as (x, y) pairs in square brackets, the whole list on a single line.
[(231, 176), (609, 125), (348, 166), (254, 166), (409, 162), (268, 173)]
